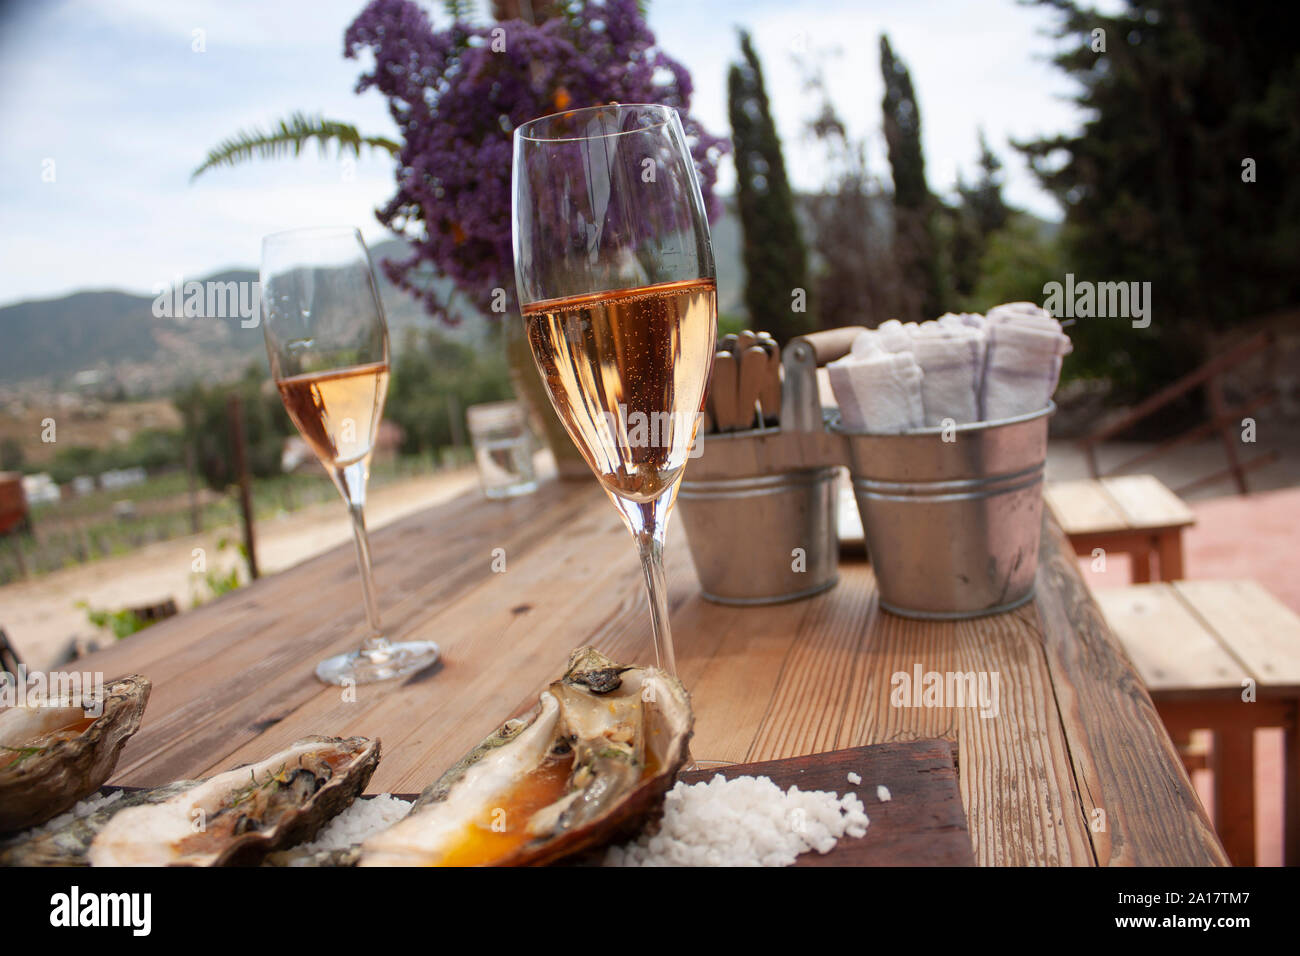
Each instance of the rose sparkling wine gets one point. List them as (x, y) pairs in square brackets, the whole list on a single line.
[(626, 372), (337, 412)]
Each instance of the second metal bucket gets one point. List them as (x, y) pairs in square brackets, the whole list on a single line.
[(763, 539), (952, 517)]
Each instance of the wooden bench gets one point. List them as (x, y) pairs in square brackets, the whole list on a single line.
[(1132, 514), (1222, 656)]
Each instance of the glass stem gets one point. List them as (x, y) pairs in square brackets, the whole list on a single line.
[(375, 641), (650, 545)]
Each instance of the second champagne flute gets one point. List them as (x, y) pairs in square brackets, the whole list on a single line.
[(327, 342)]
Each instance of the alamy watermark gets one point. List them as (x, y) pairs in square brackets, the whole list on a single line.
[(129, 910), (1084, 299), (921, 688), (654, 430), (209, 300), (56, 689)]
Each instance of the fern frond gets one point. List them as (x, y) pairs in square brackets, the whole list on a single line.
[(288, 138), (458, 10)]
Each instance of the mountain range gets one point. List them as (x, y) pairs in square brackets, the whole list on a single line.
[(114, 338)]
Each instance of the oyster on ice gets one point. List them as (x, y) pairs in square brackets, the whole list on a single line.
[(589, 764), (62, 750), (236, 817)]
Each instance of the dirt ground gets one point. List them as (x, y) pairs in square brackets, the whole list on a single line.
[(81, 422), (41, 616)]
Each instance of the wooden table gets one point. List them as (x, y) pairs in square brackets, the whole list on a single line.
[(1075, 768), (1222, 656), (1132, 514)]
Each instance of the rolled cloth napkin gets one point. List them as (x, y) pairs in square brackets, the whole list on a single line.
[(971, 320), (951, 357), (889, 336), (1023, 364), (878, 391)]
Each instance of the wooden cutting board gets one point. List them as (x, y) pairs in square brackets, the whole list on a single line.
[(922, 824)]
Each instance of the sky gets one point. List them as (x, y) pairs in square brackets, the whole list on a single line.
[(108, 105)]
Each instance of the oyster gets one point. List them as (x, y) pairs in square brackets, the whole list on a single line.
[(54, 754), (589, 764), (236, 817), (65, 841)]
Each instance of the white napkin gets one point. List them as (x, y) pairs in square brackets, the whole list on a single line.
[(1023, 365), (889, 336), (951, 357), (972, 320), (878, 391)]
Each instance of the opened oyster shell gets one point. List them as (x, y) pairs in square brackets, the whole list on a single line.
[(237, 817), (58, 752), (589, 764)]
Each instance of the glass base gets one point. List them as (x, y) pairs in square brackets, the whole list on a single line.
[(372, 666), (511, 490)]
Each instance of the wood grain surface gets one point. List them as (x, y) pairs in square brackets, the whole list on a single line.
[(1139, 803), (508, 588)]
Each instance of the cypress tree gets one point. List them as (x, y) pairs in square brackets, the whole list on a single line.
[(773, 251), (915, 243)]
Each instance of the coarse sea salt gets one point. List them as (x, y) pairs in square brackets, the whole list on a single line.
[(83, 808), (746, 821), (854, 778), (364, 818), (883, 794)]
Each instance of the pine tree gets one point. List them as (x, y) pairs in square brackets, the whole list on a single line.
[(915, 209), (773, 252), (1157, 187)]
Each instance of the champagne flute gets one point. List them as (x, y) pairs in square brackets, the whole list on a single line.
[(327, 342), (615, 276)]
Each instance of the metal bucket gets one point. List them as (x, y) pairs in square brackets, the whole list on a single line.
[(744, 532), (952, 526)]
